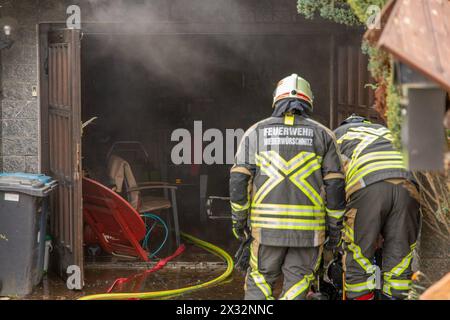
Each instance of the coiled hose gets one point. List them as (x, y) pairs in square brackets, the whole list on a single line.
[(149, 232), (175, 292)]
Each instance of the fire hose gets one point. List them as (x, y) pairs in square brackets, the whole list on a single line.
[(175, 292)]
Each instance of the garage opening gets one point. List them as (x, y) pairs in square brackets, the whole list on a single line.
[(136, 90), (143, 88)]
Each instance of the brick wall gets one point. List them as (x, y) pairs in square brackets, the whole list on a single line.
[(19, 116), (19, 109)]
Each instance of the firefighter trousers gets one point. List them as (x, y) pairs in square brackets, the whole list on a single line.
[(267, 263), (386, 210)]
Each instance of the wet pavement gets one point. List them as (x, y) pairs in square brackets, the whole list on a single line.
[(99, 281), (191, 268)]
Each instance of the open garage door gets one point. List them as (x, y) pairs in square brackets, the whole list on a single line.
[(61, 143)]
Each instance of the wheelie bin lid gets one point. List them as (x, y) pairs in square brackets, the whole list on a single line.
[(37, 185)]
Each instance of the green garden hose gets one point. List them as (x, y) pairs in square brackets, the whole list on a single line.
[(175, 292)]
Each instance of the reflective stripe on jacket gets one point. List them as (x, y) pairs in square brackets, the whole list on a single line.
[(288, 182), (369, 155)]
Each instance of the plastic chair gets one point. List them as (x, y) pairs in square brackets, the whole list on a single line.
[(123, 180)]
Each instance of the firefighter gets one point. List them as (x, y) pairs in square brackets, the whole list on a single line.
[(382, 203), (287, 189)]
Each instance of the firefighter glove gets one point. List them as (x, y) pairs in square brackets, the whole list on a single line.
[(240, 230)]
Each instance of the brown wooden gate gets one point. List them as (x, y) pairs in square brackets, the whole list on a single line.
[(61, 147), (353, 95)]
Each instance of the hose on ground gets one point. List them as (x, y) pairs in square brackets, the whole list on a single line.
[(175, 292)]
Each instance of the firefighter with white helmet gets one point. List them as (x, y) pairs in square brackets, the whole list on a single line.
[(287, 193)]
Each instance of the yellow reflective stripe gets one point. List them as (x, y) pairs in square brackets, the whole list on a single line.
[(287, 206), (288, 227), (257, 277), (387, 289), (299, 179), (237, 207), (363, 145), (291, 222), (336, 214), (319, 259), (271, 164), (378, 132), (385, 160), (298, 288), (360, 259), (253, 258), (388, 137), (397, 271), (404, 264), (348, 232), (375, 167), (351, 136), (275, 210), (253, 261), (288, 213), (288, 220), (288, 166), (274, 179), (366, 139), (261, 283), (399, 285), (373, 156), (369, 285), (366, 135)]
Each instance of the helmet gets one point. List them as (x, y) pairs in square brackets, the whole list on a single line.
[(354, 118), (293, 87)]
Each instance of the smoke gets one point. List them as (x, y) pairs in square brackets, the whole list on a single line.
[(128, 12), (154, 57), (147, 11), (167, 52), (167, 39)]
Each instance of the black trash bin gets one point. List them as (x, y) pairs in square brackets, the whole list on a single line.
[(23, 220)]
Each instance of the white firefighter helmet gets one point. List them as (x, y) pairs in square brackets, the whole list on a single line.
[(293, 87)]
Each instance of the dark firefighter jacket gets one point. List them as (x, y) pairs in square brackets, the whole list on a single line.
[(369, 155), (288, 182)]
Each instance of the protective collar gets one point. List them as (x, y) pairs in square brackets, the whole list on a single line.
[(291, 105)]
